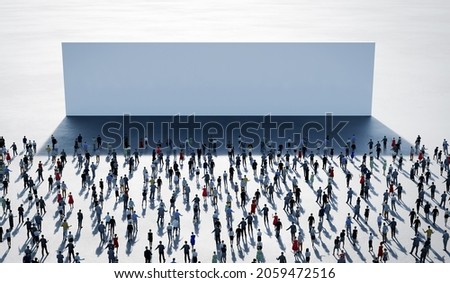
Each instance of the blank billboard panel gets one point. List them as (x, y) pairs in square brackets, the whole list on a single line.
[(218, 78)]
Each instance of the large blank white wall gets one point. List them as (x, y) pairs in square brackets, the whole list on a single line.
[(218, 78)]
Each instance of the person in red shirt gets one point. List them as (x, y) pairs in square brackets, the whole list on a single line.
[(391, 188), (70, 200), (420, 155), (331, 172), (275, 219), (380, 252), (181, 157), (253, 206), (204, 193), (116, 242), (57, 176), (295, 246), (158, 150), (59, 197), (8, 157)]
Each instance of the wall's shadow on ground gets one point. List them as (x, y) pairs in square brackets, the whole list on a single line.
[(225, 129)]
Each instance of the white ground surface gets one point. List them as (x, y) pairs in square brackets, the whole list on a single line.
[(88, 241)]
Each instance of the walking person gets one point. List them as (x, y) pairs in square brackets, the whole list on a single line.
[(281, 258), (43, 241), (115, 241), (70, 251), (385, 256), (370, 242), (428, 232), (355, 236), (393, 228), (435, 214), (445, 237), (161, 248), (79, 220), (415, 245), (7, 236), (147, 255), (150, 238), (307, 256), (186, 251), (65, 228)]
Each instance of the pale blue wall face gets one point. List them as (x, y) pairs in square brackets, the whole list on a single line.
[(218, 78)]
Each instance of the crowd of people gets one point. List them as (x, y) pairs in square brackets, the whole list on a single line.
[(239, 193)]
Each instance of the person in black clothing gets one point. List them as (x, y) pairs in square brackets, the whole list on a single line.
[(148, 255), (223, 250), (161, 248), (80, 219), (112, 224), (150, 238), (21, 211), (70, 251), (282, 258), (278, 227), (43, 242), (412, 216), (186, 250), (60, 257), (265, 211)]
